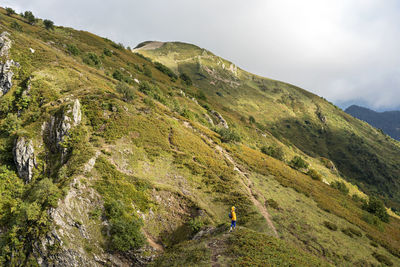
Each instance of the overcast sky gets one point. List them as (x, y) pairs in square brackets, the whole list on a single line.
[(347, 51)]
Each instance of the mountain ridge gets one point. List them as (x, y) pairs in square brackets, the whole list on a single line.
[(388, 121), (138, 163)]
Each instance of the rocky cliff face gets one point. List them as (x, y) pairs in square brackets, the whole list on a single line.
[(24, 158), (59, 127), (6, 73)]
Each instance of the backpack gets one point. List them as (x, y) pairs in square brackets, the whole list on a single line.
[(230, 215)]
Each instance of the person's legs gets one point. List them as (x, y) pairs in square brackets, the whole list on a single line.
[(233, 225)]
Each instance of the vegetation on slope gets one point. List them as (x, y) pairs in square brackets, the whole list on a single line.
[(166, 167)]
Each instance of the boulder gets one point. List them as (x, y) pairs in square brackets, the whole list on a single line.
[(24, 158)]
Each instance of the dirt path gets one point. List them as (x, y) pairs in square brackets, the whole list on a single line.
[(245, 180), (247, 184), (154, 244)]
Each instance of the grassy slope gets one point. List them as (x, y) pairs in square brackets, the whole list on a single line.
[(158, 169), (292, 116)]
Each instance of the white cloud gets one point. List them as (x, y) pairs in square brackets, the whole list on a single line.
[(343, 50)]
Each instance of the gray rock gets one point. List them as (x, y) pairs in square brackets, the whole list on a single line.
[(6, 75), (24, 158), (221, 121), (59, 127), (5, 44)]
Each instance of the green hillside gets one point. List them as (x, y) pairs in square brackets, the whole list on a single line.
[(117, 158)]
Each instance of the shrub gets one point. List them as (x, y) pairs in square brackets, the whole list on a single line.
[(128, 93), (11, 124), (228, 135), (382, 259), (73, 50), (314, 175), (273, 151), (145, 87), (370, 219), (118, 75), (375, 206), (196, 224), (107, 52), (15, 25), (341, 186), (125, 234), (298, 163), (252, 119), (351, 232), (272, 203), (147, 71), (10, 11), (186, 79), (125, 231), (92, 59), (48, 24), (28, 15), (330, 226)]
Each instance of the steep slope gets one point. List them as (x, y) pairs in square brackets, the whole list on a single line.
[(108, 158), (388, 121), (292, 115)]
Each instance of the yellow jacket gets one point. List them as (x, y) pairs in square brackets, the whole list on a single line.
[(233, 213)]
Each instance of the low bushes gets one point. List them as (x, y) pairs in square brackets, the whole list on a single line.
[(273, 151), (330, 226), (128, 93), (298, 163), (351, 232), (228, 135), (341, 186), (382, 259)]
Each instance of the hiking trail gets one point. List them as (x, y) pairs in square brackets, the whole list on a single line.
[(245, 181)]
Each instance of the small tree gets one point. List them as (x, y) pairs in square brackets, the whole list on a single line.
[(48, 24), (10, 11), (28, 15), (376, 207)]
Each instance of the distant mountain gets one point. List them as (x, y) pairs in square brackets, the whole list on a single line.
[(388, 121)]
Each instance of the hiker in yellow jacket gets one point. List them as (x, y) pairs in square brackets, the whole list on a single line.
[(232, 215)]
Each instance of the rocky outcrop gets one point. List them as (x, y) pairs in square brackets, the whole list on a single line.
[(221, 121), (59, 127), (5, 44), (24, 158), (6, 73)]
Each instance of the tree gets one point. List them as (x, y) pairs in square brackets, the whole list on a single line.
[(28, 15), (10, 11), (48, 24), (376, 207)]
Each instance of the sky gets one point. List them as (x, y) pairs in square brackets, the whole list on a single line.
[(344, 50)]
